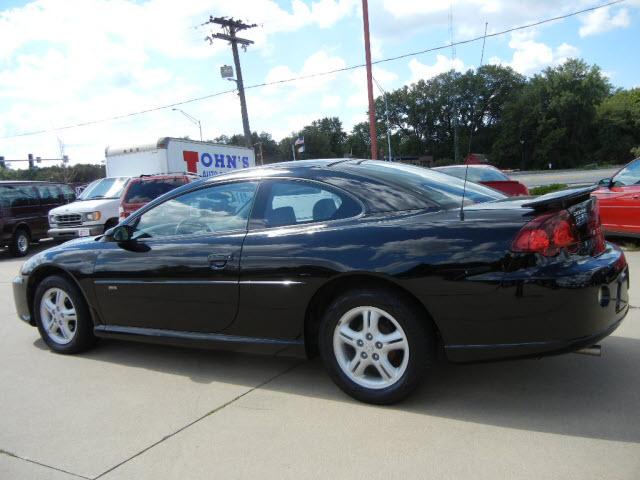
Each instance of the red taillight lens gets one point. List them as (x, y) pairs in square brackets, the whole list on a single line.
[(546, 235)]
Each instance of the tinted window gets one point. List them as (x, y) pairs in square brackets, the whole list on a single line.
[(629, 175), (68, 193), (143, 191), (104, 188), (213, 209), (435, 187), (18, 196), (49, 193), (294, 202)]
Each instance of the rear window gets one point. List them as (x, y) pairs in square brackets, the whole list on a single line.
[(434, 187), (143, 191)]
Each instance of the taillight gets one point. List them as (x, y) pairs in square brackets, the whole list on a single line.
[(547, 234), (121, 213)]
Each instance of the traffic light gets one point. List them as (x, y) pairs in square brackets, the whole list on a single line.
[(2, 164)]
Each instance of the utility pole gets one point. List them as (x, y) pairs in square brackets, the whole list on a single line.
[(372, 108), (230, 27)]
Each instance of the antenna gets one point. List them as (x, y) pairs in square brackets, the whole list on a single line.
[(473, 126)]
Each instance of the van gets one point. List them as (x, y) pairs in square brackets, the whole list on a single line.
[(24, 207)]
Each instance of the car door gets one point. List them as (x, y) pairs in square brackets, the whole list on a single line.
[(620, 203), (182, 270), (22, 207), (291, 247), (50, 197)]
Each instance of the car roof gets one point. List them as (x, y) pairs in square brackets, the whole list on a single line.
[(29, 182), (443, 167)]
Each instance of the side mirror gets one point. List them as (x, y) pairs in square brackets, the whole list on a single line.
[(120, 233), (606, 182)]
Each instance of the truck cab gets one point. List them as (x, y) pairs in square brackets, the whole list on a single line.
[(94, 211)]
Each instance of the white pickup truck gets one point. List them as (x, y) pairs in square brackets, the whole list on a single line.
[(96, 209)]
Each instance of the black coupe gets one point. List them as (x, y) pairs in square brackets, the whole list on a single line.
[(376, 266)]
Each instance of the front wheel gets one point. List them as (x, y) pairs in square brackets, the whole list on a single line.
[(375, 345), (62, 316)]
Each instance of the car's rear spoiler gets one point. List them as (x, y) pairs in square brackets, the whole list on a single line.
[(560, 199)]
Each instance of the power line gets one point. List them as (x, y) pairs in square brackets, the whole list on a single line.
[(318, 74)]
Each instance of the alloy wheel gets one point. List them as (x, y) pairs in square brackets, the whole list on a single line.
[(59, 317), (371, 347)]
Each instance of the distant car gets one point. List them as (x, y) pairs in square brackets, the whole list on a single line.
[(141, 190), (23, 211), (619, 198), (487, 175)]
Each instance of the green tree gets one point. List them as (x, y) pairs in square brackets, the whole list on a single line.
[(553, 119), (618, 126)]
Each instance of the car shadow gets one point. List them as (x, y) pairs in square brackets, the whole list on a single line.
[(571, 394)]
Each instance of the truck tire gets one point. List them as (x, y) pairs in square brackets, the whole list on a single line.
[(19, 244)]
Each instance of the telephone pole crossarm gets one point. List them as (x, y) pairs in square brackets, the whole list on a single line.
[(230, 28)]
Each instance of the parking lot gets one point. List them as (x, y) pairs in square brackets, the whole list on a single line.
[(126, 410)]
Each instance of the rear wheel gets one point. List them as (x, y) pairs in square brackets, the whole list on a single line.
[(62, 316), (20, 241), (375, 345)]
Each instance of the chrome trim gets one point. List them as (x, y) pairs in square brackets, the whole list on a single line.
[(284, 283)]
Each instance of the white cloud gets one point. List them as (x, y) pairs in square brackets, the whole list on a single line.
[(530, 56), (421, 71), (331, 101), (603, 20)]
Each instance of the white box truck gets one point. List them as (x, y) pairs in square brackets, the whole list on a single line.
[(96, 209)]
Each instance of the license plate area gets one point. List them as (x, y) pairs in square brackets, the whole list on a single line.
[(84, 232)]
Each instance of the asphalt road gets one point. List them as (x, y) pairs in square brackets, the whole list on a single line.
[(132, 411), (570, 177)]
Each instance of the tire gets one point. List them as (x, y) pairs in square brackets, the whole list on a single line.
[(58, 329), (384, 370), (20, 242)]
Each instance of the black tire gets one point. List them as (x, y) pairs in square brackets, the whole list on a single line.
[(20, 242), (83, 337), (419, 337)]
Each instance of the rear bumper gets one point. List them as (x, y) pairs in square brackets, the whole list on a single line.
[(20, 299), (74, 232), (553, 309)]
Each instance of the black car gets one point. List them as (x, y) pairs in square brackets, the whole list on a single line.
[(23, 211), (373, 265)]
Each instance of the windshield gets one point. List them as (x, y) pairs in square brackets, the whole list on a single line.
[(629, 175), (436, 187), (476, 174), (104, 188)]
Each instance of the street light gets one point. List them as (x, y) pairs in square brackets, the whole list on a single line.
[(191, 119)]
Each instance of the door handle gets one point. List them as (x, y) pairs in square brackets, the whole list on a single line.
[(219, 260)]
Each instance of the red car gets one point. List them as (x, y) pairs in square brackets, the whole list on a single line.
[(619, 199), (141, 190), (486, 175)]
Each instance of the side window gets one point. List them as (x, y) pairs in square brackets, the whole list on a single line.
[(630, 175), (18, 196), (288, 202), (47, 193), (68, 194), (214, 209)]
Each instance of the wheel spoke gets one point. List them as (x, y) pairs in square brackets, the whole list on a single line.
[(68, 315), (358, 365), (371, 318), (348, 335), (387, 371), (49, 305), (64, 330), (393, 341)]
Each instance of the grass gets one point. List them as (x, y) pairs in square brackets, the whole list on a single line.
[(542, 189)]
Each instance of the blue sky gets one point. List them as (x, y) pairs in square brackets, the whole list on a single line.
[(65, 62)]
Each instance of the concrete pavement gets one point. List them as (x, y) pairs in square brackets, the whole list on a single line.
[(128, 410)]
